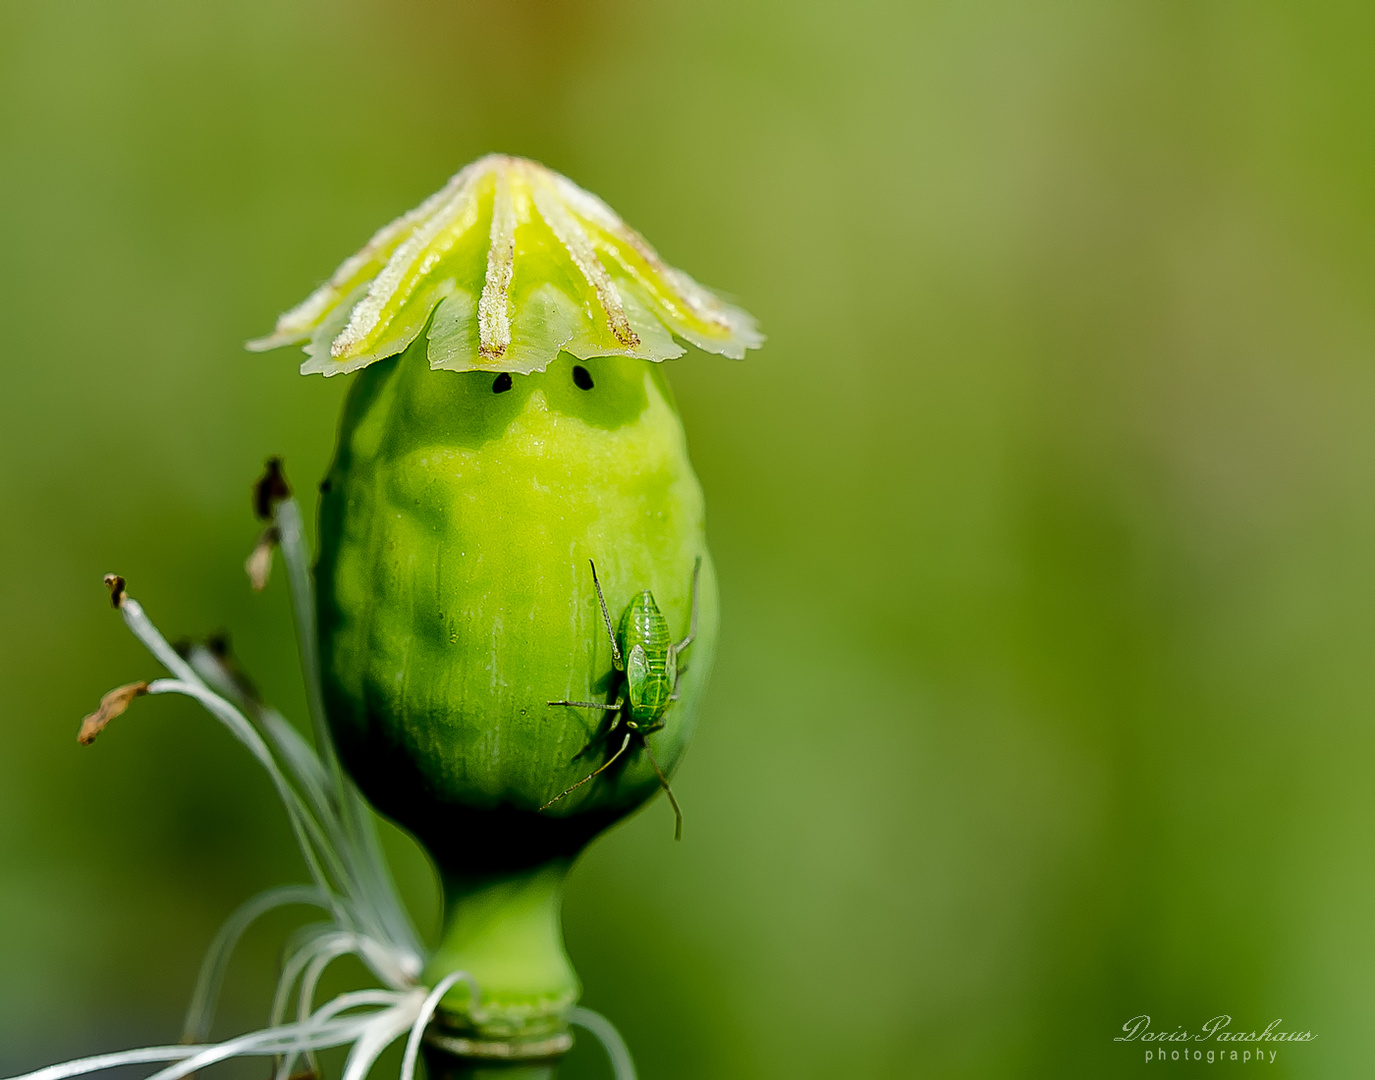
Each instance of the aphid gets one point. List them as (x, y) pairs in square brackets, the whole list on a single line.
[(647, 656)]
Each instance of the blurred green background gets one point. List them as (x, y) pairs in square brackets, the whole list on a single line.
[(1044, 521)]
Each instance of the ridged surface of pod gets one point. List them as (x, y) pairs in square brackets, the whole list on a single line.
[(456, 598)]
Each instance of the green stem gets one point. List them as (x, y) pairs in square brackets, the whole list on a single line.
[(504, 930)]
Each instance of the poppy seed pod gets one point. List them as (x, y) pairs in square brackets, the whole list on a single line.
[(456, 596), (483, 529)]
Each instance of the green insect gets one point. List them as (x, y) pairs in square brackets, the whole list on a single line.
[(644, 652)]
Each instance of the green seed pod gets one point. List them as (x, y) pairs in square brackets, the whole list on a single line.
[(456, 601)]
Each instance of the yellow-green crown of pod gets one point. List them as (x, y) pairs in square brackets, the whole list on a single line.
[(516, 263)]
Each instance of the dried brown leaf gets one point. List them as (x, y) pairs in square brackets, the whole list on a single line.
[(258, 565), (111, 705)]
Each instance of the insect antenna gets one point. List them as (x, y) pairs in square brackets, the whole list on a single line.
[(624, 743), (692, 622), (663, 781), (616, 660)]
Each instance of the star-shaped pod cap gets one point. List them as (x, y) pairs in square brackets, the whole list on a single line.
[(516, 263)]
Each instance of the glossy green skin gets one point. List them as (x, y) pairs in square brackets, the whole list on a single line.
[(454, 601), (650, 662)]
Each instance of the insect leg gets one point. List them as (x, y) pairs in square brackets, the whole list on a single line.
[(592, 704), (624, 743), (663, 781), (616, 660), (692, 624)]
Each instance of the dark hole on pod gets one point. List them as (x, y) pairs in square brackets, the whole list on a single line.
[(582, 378), (501, 383), (325, 485)]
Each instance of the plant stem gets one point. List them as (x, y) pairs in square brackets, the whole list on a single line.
[(504, 930)]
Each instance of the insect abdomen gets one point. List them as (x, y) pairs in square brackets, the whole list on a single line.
[(650, 686)]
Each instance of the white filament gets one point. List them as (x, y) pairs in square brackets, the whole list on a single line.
[(621, 1063), (211, 978), (338, 842), (321, 1031), (427, 1010)]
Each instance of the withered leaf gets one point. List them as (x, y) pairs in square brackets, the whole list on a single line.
[(111, 705), (258, 565)]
